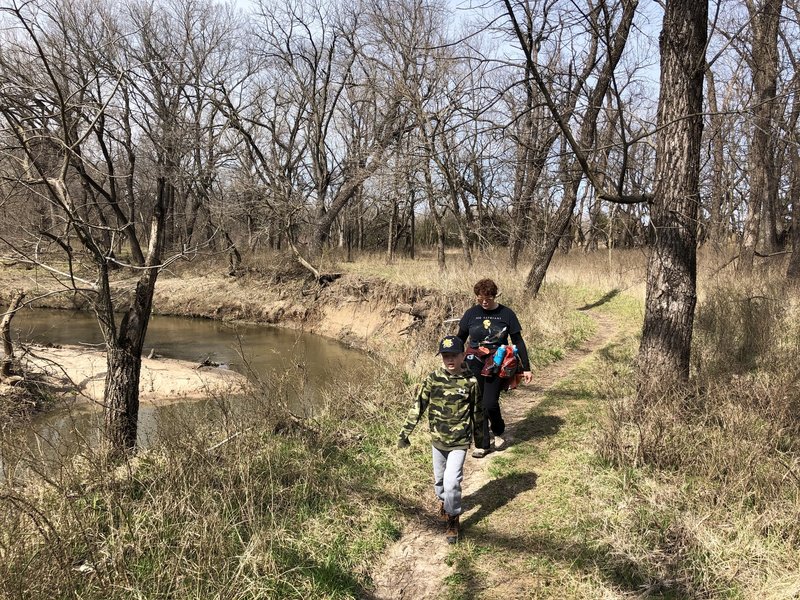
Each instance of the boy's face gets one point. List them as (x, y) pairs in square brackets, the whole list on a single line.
[(452, 362)]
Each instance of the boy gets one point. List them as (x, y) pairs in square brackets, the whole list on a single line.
[(450, 394)]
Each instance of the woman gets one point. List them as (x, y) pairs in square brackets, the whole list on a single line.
[(489, 325)]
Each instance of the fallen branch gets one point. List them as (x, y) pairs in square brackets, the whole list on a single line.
[(322, 278)]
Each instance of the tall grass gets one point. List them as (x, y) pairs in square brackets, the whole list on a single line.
[(253, 505), (723, 455)]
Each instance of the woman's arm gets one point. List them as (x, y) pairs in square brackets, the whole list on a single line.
[(463, 328), (522, 352)]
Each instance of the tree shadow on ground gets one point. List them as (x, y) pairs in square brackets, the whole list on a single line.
[(606, 298), (623, 573), (534, 427), (497, 493)]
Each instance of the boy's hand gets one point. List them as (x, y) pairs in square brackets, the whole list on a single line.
[(403, 442)]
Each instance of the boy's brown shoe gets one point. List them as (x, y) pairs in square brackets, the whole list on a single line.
[(452, 529), (438, 507)]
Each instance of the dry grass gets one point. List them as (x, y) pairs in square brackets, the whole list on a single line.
[(237, 501), (721, 461), (686, 496)]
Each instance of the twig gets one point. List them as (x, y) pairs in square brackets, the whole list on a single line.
[(228, 439)]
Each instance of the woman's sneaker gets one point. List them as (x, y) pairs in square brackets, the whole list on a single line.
[(480, 452)]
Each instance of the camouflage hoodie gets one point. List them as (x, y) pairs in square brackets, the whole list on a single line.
[(453, 407)]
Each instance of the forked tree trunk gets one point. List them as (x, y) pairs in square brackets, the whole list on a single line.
[(124, 342), (588, 135), (671, 269)]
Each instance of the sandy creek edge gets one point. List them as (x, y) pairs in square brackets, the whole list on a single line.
[(359, 312)]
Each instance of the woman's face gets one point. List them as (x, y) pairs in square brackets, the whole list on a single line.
[(486, 302)]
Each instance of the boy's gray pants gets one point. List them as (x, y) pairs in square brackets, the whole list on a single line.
[(448, 472)]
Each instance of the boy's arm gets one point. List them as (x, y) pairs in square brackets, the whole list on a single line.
[(415, 413)]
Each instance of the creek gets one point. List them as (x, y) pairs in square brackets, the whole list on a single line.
[(265, 352)]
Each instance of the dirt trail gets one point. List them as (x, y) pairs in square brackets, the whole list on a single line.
[(414, 567)]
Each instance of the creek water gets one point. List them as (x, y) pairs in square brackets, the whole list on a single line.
[(309, 362)]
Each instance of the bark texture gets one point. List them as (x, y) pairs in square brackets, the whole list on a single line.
[(122, 398), (671, 270), (762, 167), (125, 337)]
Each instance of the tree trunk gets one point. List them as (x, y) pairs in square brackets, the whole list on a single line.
[(440, 247), (7, 365), (591, 233), (463, 236), (390, 233), (122, 398), (522, 211), (717, 146), (544, 254), (671, 269), (125, 341), (361, 233), (412, 238), (438, 224), (765, 18), (793, 270)]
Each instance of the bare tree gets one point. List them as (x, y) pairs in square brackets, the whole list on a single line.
[(318, 111), (99, 151), (532, 130), (601, 31), (762, 169), (671, 268)]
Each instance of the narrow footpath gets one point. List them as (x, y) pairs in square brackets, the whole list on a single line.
[(416, 566)]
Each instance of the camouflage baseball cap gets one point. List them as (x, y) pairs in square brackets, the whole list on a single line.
[(451, 345)]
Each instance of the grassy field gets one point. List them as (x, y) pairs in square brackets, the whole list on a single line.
[(689, 497)]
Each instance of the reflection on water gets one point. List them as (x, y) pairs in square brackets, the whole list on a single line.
[(309, 362), (264, 350)]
